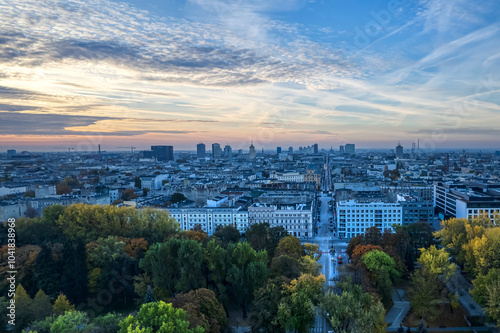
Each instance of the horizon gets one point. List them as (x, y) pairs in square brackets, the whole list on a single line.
[(280, 72)]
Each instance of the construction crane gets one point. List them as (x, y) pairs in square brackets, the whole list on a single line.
[(68, 148), (131, 148)]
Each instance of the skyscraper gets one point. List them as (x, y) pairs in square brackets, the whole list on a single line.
[(315, 146), (252, 154), (228, 151), (399, 151), (278, 150), (341, 149), (290, 150), (163, 153), (216, 151), (200, 150), (350, 148)]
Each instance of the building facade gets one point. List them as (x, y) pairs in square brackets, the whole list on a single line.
[(354, 217), (209, 218), (297, 219)]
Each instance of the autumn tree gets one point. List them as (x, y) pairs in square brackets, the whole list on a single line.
[(290, 246), (62, 305), (297, 308), (203, 309)]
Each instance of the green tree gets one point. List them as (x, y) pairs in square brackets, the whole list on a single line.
[(257, 235), (47, 271), (286, 266), (174, 266), (227, 234), (29, 194), (290, 246), (265, 306), (177, 197), (480, 292), (62, 305), (424, 293), (297, 308), (24, 309), (352, 310), (373, 236), (158, 317), (41, 306), (493, 304), (384, 273), (71, 321), (137, 182), (246, 271)]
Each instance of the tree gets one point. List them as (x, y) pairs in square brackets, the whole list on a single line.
[(177, 197), (174, 266), (62, 305), (352, 310), (107, 261), (129, 194), (47, 271), (158, 317), (360, 250), (198, 236), (493, 304), (203, 309), (246, 271), (436, 263), (373, 236), (480, 292), (291, 246), (286, 266), (24, 310), (424, 293), (265, 306), (29, 194), (41, 306), (71, 321), (275, 235), (456, 233), (227, 234), (297, 307), (150, 296), (137, 182), (257, 235), (482, 253), (63, 188), (355, 241), (384, 273)]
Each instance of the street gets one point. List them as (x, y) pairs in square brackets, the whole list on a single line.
[(326, 240)]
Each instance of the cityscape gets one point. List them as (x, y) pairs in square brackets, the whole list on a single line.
[(278, 166)]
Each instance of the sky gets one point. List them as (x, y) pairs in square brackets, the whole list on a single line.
[(273, 72)]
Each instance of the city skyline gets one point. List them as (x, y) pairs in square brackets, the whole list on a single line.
[(278, 73)]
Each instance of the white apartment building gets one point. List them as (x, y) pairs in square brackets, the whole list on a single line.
[(209, 218), (289, 177), (354, 217), (297, 219)]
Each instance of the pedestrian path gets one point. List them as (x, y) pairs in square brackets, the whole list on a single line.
[(399, 310)]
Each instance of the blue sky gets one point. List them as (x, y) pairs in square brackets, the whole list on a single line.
[(275, 72)]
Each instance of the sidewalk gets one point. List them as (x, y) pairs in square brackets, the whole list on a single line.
[(399, 310)]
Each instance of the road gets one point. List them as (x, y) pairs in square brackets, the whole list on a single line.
[(326, 240)]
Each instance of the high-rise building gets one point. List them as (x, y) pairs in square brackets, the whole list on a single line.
[(399, 151), (201, 150), (290, 150), (341, 149), (350, 148), (315, 147), (228, 152), (240, 153), (278, 150), (161, 153), (11, 152), (216, 150), (252, 154)]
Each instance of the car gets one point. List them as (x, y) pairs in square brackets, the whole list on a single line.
[(339, 259)]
